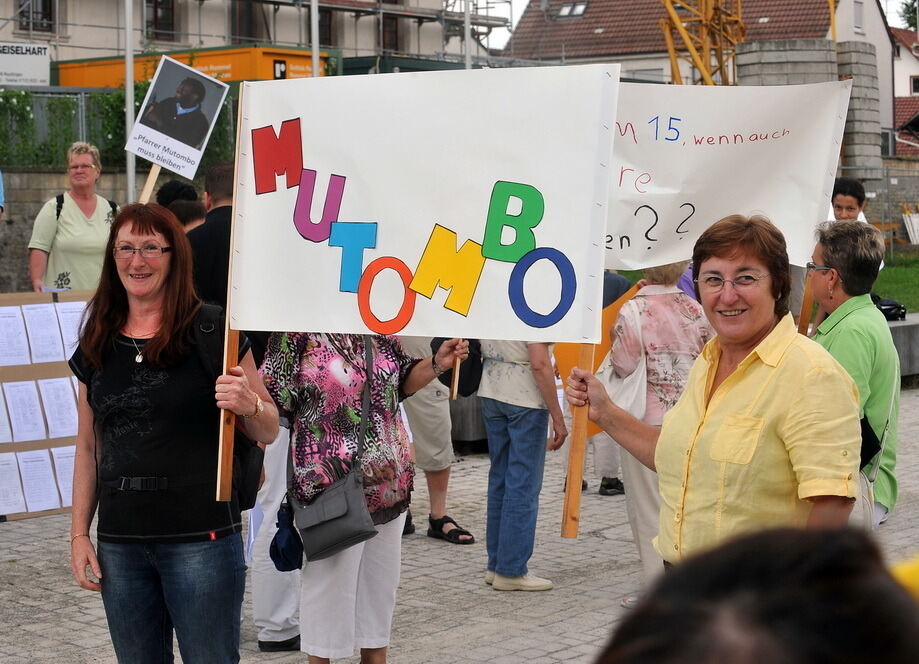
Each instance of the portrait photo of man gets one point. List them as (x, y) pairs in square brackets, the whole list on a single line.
[(180, 116)]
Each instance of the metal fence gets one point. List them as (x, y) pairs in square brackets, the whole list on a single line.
[(892, 191), (38, 125)]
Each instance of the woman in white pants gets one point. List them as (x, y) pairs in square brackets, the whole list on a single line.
[(673, 330)]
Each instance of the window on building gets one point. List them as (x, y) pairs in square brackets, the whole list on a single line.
[(914, 85), (390, 33), (243, 28), (325, 28), (858, 17), (326, 36), (161, 24), (36, 15), (572, 9)]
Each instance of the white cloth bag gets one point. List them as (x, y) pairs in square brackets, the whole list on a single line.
[(628, 393)]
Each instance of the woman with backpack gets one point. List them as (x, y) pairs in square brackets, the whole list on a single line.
[(71, 229)]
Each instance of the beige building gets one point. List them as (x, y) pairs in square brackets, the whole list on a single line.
[(95, 28)]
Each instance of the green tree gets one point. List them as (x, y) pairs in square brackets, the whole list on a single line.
[(908, 13)]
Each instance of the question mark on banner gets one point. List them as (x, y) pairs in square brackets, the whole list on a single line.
[(688, 217), (651, 227)]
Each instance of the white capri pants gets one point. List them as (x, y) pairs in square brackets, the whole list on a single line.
[(350, 597), (643, 505)]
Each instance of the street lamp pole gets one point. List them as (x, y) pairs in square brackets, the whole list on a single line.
[(129, 94)]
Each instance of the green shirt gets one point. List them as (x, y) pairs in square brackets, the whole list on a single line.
[(75, 243), (857, 335)]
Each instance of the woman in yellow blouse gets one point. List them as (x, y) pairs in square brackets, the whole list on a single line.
[(766, 433)]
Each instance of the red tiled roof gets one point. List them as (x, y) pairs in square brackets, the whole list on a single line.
[(626, 27), (904, 110), (904, 36)]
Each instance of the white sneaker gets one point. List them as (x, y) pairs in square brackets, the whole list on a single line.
[(489, 576), (525, 582), (630, 601)]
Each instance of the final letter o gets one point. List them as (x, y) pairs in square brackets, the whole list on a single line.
[(402, 318), (515, 287)]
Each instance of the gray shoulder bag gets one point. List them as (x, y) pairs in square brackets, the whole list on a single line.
[(337, 518)]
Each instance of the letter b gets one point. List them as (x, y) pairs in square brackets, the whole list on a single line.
[(532, 207)]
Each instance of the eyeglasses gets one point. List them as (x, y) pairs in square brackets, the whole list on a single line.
[(817, 268), (126, 251), (81, 167), (713, 284)]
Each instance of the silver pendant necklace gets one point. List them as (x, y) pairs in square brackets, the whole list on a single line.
[(140, 354)]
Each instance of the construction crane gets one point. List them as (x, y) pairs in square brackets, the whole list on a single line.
[(703, 33)]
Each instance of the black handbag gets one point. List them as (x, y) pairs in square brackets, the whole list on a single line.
[(337, 518)]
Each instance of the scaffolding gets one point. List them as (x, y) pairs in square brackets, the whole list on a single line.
[(704, 34), (268, 16)]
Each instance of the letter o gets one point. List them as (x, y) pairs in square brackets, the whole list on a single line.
[(515, 287), (402, 318)]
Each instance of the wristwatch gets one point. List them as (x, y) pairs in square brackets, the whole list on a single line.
[(259, 407)]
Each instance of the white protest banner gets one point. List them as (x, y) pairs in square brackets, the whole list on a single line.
[(685, 156), (460, 203), (177, 117)]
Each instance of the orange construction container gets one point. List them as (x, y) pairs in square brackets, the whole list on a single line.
[(228, 63)]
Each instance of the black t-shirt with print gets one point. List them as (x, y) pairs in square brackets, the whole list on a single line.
[(157, 423)]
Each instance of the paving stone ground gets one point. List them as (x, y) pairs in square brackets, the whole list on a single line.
[(445, 613)]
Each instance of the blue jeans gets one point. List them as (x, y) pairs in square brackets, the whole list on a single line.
[(517, 448), (195, 588)]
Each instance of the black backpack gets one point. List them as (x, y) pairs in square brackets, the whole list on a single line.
[(891, 309), (59, 199), (248, 457)]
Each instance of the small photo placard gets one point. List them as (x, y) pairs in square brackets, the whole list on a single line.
[(177, 117)]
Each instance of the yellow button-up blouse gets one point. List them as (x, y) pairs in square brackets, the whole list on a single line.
[(782, 428)]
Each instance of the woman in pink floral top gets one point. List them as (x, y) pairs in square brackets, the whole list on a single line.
[(317, 381), (673, 331)]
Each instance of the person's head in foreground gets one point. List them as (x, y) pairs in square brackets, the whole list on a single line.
[(776, 597), (845, 262), (740, 266), (848, 199)]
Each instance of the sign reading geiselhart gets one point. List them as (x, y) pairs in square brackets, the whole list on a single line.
[(24, 64)]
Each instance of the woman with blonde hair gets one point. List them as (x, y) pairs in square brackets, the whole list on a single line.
[(71, 230), (663, 329)]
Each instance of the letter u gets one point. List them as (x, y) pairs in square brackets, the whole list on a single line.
[(317, 232)]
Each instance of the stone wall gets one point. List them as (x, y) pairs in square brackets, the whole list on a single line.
[(797, 61), (26, 192), (889, 182)]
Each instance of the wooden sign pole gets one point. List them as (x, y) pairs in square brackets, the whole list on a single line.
[(571, 512), (148, 185), (587, 359), (454, 385), (227, 421), (807, 306), (230, 345)]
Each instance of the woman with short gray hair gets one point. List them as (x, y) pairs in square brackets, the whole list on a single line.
[(845, 264)]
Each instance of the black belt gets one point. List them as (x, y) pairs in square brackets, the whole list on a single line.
[(148, 483)]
